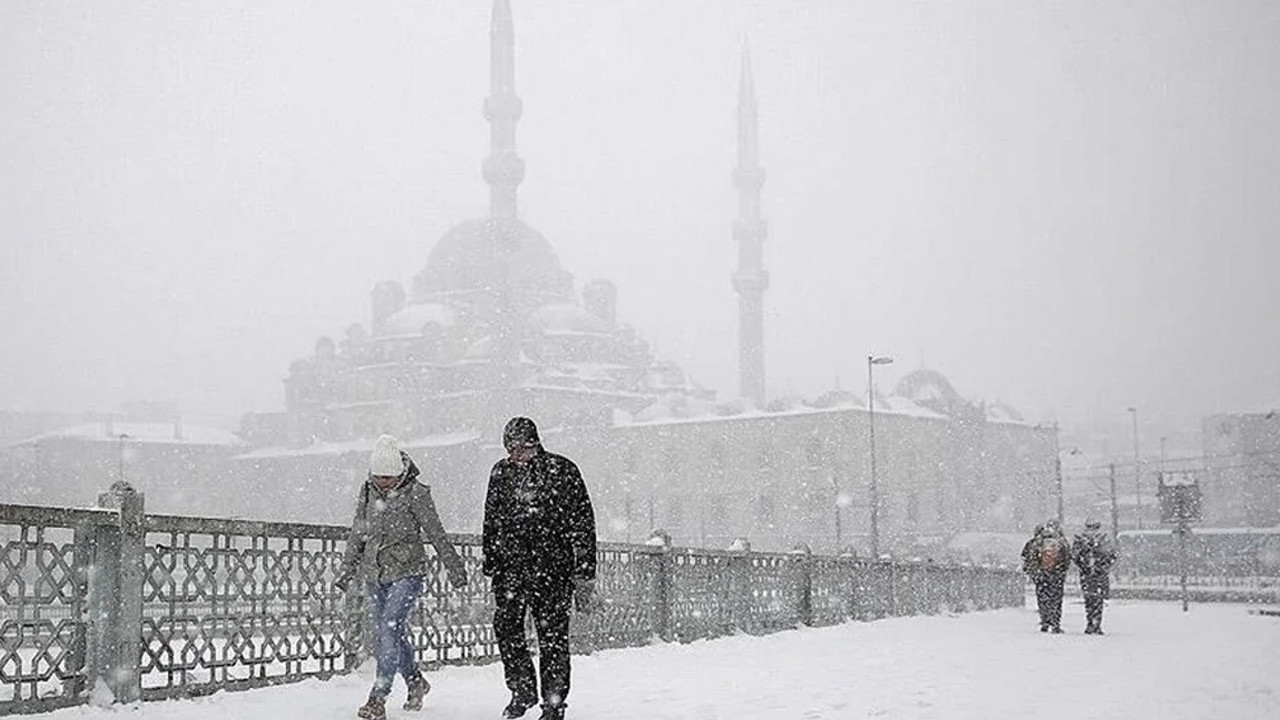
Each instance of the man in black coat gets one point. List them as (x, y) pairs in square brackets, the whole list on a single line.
[(1094, 556), (540, 551)]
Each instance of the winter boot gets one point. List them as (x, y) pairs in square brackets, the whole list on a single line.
[(519, 705), (1056, 629), (418, 689), (553, 712), (374, 709)]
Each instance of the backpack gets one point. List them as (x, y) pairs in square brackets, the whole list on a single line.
[(1050, 552)]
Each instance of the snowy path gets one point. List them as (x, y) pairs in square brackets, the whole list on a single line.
[(1216, 663)]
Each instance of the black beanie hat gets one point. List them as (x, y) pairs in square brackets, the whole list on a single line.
[(520, 431)]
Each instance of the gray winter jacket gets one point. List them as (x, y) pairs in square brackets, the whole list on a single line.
[(387, 534)]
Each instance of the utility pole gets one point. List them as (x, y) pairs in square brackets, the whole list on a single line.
[(1115, 511)]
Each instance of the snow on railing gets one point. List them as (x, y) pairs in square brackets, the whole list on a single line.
[(113, 605)]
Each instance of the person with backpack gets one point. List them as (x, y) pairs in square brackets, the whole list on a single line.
[(1094, 556), (1046, 559), (394, 514)]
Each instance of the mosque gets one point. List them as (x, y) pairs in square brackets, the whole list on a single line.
[(492, 326)]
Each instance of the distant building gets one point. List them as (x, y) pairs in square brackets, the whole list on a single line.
[(490, 327), (1241, 482), (183, 469)]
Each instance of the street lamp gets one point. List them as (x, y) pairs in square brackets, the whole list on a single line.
[(872, 361), (120, 469), (1137, 467), (1057, 472)]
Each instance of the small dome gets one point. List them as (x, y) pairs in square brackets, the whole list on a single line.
[(477, 254), (415, 318)]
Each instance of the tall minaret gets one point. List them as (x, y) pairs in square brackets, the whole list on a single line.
[(751, 280), (503, 169)]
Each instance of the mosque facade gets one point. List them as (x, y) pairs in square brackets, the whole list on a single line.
[(493, 326)]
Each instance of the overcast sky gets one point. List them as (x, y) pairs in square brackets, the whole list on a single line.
[(1071, 207)]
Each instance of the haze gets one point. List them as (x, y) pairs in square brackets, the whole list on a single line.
[(1068, 207)]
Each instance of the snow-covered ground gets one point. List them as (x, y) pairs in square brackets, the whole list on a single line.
[(1219, 662)]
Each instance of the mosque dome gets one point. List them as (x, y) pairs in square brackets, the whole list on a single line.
[(477, 254)]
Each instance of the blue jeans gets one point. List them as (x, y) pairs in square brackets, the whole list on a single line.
[(389, 606)]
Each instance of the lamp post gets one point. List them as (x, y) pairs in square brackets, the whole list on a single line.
[(1057, 472), (835, 486), (872, 361), (120, 468), (1137, 468)]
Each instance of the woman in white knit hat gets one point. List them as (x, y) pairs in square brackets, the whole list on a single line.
[(385, 548)]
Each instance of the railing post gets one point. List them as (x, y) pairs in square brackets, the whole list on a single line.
[(662, 585), (740, 584), (848, 564), (114, 650), (803, 583)]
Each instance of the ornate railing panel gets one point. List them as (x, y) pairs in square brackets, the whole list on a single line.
[(626, 613), (701, 594), (455, 626), (45, 557), (770, 585), (834, 596), (230, 604)]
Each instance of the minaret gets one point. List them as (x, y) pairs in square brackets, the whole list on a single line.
[(751, 280), (503, 169)]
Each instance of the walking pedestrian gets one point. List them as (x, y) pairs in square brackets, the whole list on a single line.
[(540, 551), (385, 549), (1046, 559), (1094, 556)]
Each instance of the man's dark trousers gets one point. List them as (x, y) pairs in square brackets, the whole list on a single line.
[(549, 600), (1049, 589)]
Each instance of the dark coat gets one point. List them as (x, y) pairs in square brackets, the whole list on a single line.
[(538, 521), (386, 540), (1094, 556)]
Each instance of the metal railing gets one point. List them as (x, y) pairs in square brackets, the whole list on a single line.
[(113, 605)]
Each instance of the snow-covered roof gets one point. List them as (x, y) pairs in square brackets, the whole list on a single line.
[(661, 414), (899, 405), (142, 433), (363, 445), (1001, 413), (1208, 531)]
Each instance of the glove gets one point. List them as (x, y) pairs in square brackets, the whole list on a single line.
[(584, 593), (342, 583), (457, 577)]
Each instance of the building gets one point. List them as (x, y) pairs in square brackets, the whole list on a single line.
[(179, 466), (1241, 478), (491, 327)]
